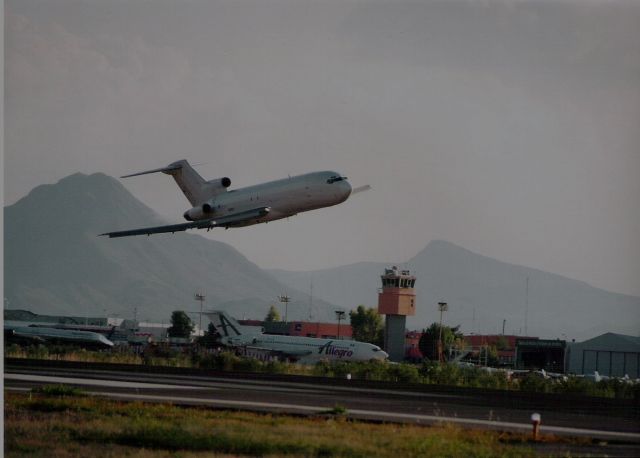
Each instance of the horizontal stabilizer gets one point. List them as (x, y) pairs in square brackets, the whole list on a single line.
[(223, 221), (162, 169), (366, 187)]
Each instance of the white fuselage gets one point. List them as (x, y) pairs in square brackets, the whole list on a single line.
[(284, 198), (312, 349)]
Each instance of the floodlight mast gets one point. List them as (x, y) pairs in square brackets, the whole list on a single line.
[(443, 307), (200, 297), (285, 300), (340, 315)]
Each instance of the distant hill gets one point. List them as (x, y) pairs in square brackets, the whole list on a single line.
[(56, 264), (481, 292)]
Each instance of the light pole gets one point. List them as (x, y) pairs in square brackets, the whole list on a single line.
[(339, 315), (443, 307), (285, 300), (200, 297)]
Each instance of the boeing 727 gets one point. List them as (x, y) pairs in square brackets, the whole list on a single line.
[(215, 206), (302, 349)]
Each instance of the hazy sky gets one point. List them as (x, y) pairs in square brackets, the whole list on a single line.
[(511, 128)]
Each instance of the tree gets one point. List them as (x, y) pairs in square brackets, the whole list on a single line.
[(273, 315), (181, 325), (428, 344), (210, 337), (366, 325)]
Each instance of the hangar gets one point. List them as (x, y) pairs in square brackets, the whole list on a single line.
[(614, 355)]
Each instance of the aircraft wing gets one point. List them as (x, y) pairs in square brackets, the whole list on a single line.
[(296, 354), (223, 221)]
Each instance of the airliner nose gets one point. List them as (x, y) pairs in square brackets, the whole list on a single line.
[(346, 188)]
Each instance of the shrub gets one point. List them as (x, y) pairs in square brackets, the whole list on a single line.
[(404, 373), (58, 390), (536, 383)]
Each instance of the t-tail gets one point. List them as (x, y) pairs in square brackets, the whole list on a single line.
[(196, 189), (230, 331)]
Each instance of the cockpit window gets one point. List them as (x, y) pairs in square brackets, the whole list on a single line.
[(335, 178)]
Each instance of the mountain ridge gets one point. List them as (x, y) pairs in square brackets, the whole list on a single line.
[(482, 292)]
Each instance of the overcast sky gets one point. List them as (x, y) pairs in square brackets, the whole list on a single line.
[(511, 128)]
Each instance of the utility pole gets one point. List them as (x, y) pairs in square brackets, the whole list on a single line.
[(503, 323), (443, 307), (339, 315), (526, 308), (285, 300), (200, 297)]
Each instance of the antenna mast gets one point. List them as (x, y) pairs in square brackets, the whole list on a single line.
[(311, 299), (526, 308)]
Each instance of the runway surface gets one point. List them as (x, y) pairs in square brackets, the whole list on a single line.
[(604, 419)]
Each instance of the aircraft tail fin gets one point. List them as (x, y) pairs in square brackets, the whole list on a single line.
[(226, 325), (230, 332), (194, 187)]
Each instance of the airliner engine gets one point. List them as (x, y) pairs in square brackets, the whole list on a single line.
[(219, 183), (206, 210), (203, 211)]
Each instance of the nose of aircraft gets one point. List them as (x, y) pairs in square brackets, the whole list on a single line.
[(345, 188), (383, 355)]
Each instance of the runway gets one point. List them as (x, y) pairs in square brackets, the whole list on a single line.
[(605, 419)]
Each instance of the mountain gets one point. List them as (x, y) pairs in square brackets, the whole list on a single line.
[(481, 293), (56, 264)]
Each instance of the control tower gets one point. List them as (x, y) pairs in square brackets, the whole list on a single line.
[(396, 300)]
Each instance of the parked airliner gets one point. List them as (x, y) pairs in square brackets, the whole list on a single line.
[(302, 349), (215, 206), (23, 332)]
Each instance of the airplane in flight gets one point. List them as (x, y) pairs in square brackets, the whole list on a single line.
[(213, 205), (307, 350)]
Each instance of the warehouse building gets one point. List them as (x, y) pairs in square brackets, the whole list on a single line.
[(614, 355)]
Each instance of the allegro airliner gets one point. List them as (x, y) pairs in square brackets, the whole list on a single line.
[(302, 349)]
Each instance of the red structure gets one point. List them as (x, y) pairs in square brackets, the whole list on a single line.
[(412, 346), (506, 354), (303, 328), (397, 296), (321, 330)]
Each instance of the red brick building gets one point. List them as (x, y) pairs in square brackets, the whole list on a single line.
[(304, 329)]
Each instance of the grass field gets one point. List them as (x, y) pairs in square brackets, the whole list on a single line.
[(56, 422)]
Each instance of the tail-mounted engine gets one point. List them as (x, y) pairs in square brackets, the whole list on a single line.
[(218, 185), (206, 210)]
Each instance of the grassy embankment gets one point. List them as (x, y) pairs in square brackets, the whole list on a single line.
[(60, 422), (427, 373)]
